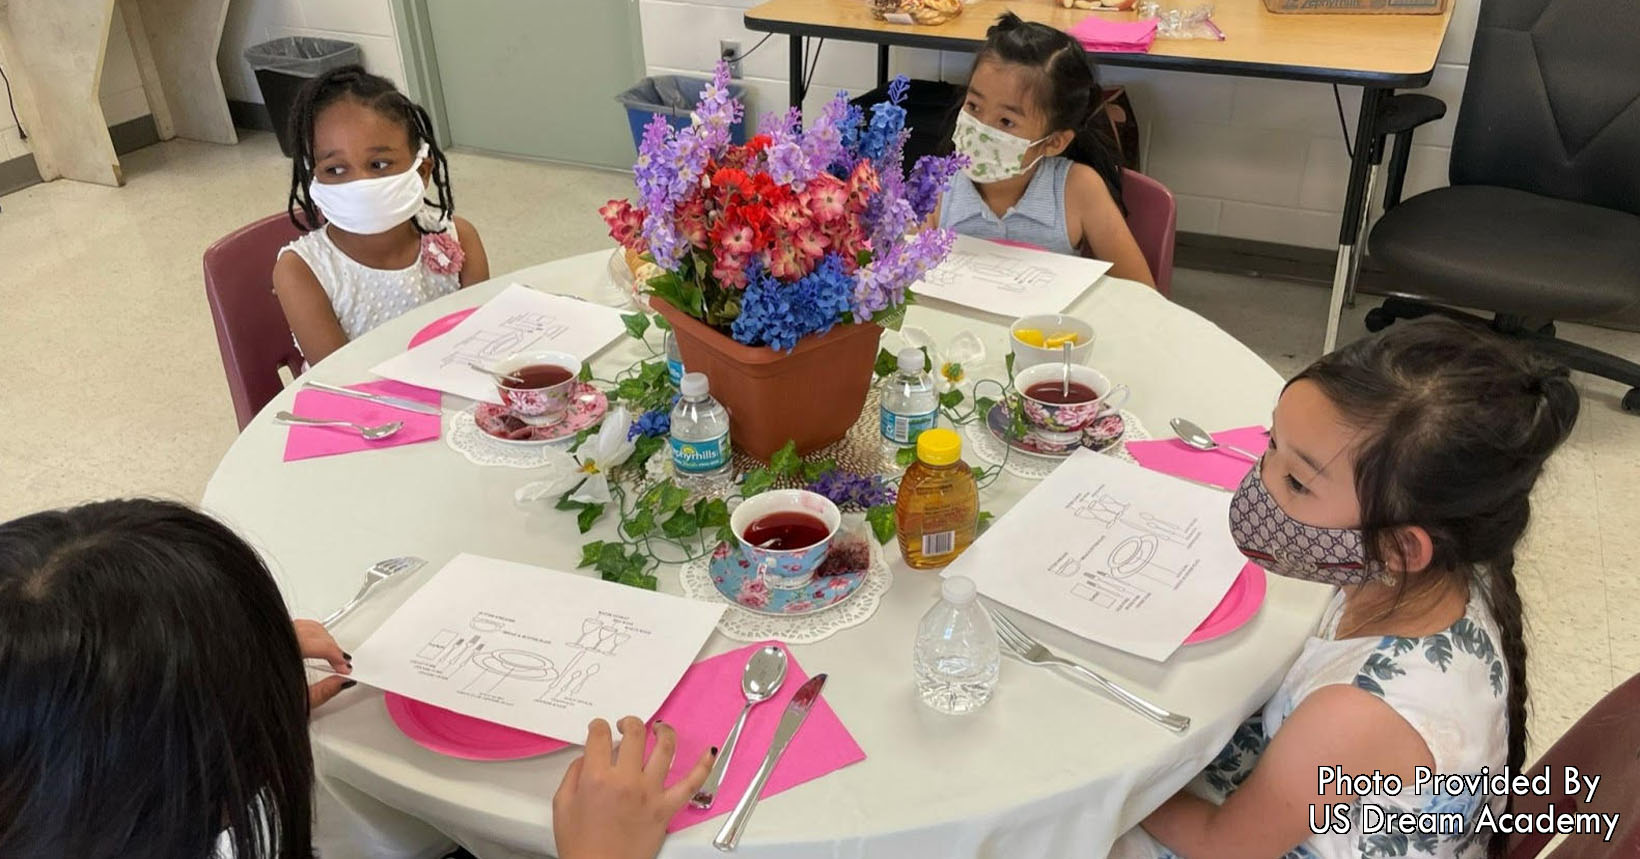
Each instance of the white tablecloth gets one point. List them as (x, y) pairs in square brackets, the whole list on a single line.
[(1047, 769)]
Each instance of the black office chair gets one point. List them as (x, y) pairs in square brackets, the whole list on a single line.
[(1542, 220)]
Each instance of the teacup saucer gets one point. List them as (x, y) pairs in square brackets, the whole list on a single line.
[(587, 406), (1104, 434), (736, 579)]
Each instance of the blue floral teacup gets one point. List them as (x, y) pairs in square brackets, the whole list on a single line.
[(785, 568)]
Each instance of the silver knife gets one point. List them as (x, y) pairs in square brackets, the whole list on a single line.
[(383, 399), (798, 710)]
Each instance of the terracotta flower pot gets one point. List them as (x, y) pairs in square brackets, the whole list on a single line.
[(811, 395)]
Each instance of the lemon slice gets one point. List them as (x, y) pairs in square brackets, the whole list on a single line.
[(1029, 336), (1059, 340)]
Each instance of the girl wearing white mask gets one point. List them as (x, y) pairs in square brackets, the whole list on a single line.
[(365, 157), (1039, 172), (1400, 469)]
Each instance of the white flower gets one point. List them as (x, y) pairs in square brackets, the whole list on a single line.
[(590, 467), (956, 363)]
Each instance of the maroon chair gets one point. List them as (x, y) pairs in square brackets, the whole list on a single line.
[(1153, 219), (1606, 743), (251, 331)]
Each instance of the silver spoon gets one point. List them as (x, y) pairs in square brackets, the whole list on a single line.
[(371, 433), (1198, 438), (764, 673), (1065, 371), (496, 374)]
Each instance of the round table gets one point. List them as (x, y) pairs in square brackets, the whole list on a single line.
[(1048, 768)]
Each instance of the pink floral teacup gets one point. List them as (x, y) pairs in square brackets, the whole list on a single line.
[(549, 377), (1056, 420), (761, 522)]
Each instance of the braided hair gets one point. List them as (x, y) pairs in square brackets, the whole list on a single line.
[(1459, 424), (1066, 88), (379, 94)]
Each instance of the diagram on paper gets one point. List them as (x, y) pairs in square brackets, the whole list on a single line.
[(498, 663), (515, 334), (1003, 273), (1129, 555)]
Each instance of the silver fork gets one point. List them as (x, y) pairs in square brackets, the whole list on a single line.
[(1029, 650), (379, 572)]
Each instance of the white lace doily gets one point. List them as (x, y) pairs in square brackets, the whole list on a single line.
[(1030, 466), (462, 434), (743, 625)]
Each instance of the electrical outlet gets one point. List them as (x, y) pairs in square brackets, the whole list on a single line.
[(729, 49)]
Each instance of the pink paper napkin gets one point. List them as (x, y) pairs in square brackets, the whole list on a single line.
[(1102, 34), (704, 707), (1218, 467), (308, 442)]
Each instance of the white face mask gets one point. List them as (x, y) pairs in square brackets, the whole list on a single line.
[(993, 154), (368, 206)]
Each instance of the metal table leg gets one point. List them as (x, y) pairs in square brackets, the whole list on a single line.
[(796, 45), (1355, 208), (882, 66)]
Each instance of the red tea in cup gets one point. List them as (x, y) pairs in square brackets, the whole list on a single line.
[(786, 530), (537, 376), (1060, 394)]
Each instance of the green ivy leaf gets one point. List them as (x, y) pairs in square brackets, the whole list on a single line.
[(951, 399), (641, 523), (652, 372), (983, 406), (636, 324), (565, 504), (985, 518), (611, 560), (813, 471), (928, 360), (905, 456), (590, 553), (661, 323), (882, 521), (713, 513), (886, 363), (1009, 363), (645, 447), (631, 390), (726, 534), (891, 318), (581, 437), (982, 472), (758, 480), (785, 462), (681, 524), (672, 498), (862, 258), (1017, 427), (586, 372), (588, 515)]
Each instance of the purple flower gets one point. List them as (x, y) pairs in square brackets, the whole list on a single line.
[(845, 487), (928, 180), (882, 283), (650, 423), (823, 144)]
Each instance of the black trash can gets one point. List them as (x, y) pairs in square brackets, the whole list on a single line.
[(283, 65), (930, 114)]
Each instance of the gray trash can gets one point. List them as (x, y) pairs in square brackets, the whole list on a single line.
[(283, 65), (674, 97)]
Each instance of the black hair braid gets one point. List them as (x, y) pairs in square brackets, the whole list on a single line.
[(377, 93), (1068, 90), (1503, 598)]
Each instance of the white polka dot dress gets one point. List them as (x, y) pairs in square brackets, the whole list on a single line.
[(365, 297)]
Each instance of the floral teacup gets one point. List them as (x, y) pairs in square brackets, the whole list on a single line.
[(544, 405), (1058, 426), (786, 569)]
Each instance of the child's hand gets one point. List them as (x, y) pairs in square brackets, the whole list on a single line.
[(614, 805), (316, 643)]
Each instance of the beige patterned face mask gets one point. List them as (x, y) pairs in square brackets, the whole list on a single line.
[(993, 155)]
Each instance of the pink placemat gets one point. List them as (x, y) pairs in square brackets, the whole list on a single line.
[(450, 733), (703, 708), (309, 442), (1240, 604), (1218, 467), (1111, 37)]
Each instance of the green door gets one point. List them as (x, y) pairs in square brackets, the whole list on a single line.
[(537, 78)]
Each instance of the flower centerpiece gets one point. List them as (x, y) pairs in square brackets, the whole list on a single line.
[(784, 258)]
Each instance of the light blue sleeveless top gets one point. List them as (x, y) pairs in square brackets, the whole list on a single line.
[(1038, 218)]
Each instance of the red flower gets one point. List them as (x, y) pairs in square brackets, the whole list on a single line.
[(825, 198), (786, 262), (789, 215), (811, 243), (757, 144), (734, 237), (692, 221), (625, 222), (729, 270), (863, 184)]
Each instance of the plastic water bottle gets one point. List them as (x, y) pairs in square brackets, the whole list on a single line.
[(956, 657), (908, 403), (702, 457), (674, 360)]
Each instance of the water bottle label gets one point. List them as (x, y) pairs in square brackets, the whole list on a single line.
[(698, 457), (674, 370), (904, 429)]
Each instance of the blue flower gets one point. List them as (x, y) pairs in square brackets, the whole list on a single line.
[(651, 423), (777, 314)]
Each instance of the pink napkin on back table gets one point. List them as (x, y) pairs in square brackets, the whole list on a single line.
[(1113, 37), (308, 442), (1218, 467), (704, 707)]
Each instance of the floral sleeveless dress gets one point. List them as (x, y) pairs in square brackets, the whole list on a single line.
[(1449, 686)]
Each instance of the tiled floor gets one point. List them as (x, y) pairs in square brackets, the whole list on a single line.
[(110, 382)]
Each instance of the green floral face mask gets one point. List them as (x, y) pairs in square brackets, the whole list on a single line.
[(993, 154)]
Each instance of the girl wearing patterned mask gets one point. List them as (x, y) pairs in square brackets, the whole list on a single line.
[(1400, 469)]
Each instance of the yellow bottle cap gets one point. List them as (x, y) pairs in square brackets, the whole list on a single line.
[(939, 446)]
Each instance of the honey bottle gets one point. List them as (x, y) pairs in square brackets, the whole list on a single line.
[(937, 513)]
